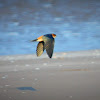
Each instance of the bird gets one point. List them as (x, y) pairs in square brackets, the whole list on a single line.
[(46, 42)]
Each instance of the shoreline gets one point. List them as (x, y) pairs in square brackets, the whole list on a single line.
[(55, 55)]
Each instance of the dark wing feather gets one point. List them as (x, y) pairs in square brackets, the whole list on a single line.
[(40, 48), (49, 46)]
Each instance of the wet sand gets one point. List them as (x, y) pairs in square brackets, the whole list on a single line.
[(67, 76)]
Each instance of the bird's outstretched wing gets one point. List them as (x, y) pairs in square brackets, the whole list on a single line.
[(49, 46), (40, 48)]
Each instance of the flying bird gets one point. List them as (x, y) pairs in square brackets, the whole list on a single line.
[(45, 42)]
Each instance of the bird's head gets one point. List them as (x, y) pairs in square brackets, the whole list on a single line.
[(53, 35)]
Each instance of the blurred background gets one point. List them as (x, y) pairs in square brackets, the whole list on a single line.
[(75, 22)]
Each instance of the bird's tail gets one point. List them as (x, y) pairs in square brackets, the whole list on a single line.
[(34, 40)]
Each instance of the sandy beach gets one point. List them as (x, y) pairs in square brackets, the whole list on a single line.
[(67, 76)]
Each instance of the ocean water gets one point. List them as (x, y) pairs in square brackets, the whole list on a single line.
[(75, 22)]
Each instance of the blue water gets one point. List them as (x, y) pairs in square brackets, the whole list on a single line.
[(75, 22), (26, 88)]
